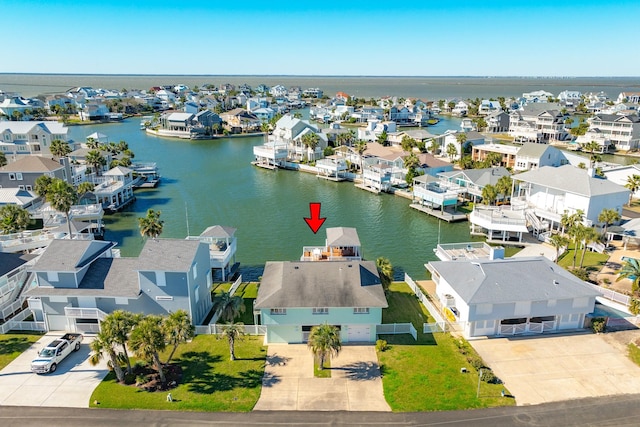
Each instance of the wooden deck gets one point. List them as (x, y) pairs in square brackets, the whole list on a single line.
[(445, 216), (264, 165), (370, 189)]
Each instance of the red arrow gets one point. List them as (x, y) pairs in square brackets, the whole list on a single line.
[(315, 222)]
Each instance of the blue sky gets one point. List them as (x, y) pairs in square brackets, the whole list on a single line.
[(328, 37)]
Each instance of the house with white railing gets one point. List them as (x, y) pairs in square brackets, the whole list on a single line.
[(513, 296), (550, 192), (77, 283), (115, 188), (435, 193), (499, 223), (341, 244), (622, 131), (13, 275), (222, 248), (473, 181)]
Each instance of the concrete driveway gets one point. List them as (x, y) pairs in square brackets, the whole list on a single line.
[(559, 367), (70, 385), (355, 383)]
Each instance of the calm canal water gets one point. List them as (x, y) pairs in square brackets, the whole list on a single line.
[(213, 182)]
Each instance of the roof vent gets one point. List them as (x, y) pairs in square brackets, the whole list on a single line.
[(349, 265), (555, 282), (295, 267)]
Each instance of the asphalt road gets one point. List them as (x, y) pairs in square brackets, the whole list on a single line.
[(619, 411)]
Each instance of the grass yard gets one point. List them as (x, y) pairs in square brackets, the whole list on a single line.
[(324, 373), (425, 375), (634, 353), (13, 344), (211, 382), (248, 291), (593, 261)]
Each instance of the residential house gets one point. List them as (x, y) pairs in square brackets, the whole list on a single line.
[(79, 282), (24, 172), (333, 167), (489, 107), (278, 91), (537, 123), (16, 107), (207, 119), (13, 274), (504, 297), (26, 199), (295, 296), (621, 174), (374, 129), (114, 189), (174, 121), (93, 111), (222, 248), (473, 181), (20, 138), (312, 92), (570, 98), (451, 137), (629, 97), (461, 109), (534, 156), (290, 130), (428, 164), (599, 137), (551, 192), (507, 153), (537, 96), (497, 122), (622, 131), (434, 192), (191, 107), (239, 120)]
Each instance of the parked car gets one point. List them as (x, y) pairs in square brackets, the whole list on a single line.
[(54, 353)]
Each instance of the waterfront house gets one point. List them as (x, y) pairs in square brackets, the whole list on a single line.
[(629, 97), (534, 156), (16, 107), (434, 193), (374, 129), (620, 175), (20, 138), (290, 130), (175, 121), (239, 120), (537, 96), (461, 109), (222, 248), (332, 167), (622, 131), (538, 122), (114, 189), (473, 181), (503, 297), (24, 172), (341, 244), (79, 282), (497, 122), (552, 191), (507, 153), (488, 107), (93, 111), (295, 296), (599, 137), (570, 98)]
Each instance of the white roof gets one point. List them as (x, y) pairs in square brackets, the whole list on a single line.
[(179, 116), (26, 127), (15, 196), (571, 180)]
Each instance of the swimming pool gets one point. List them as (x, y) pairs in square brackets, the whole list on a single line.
[(601, 310)]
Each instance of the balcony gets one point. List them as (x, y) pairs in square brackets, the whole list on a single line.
[(83, 313), (86, 212), (323, 253), (499, 219), (435, 194)]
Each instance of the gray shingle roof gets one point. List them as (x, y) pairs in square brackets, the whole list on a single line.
[(571, 180), (32, 164), (531, 149), (342, 236), (9, 261), (168, 255), (510, 280), (291, 284), (70, 255), (480, 177), (218, 231)]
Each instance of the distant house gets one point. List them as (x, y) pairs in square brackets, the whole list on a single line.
[(537, 123), (534, 156), (511, 296), (623, 131), (93, 111), (295, 296), (114, 189), (24, 172), (497, 122), (79, 282), (537, 96), (507, 153), (18, 138), (239, 120), (473, 181), (177, 121), (629, 97), (488, 107)]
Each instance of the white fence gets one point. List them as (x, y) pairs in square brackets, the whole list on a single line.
[(17, 323), (235, 286), (214, 329), (613, 295), (397, 328), (430, 328), (423, 299)]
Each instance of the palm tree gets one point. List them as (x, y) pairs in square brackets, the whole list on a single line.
[(461, 138), (489, 194), (589, 235), (361, 147), (311, 141), (608, 217), (633, 184), (118, 325), (147, 340), (102, 344), (592, 147), (324, 340), (85, 187), (61, 195), (178, 329), (96, 160), (233, 332), (59, 148), (504, 185), (558, 241), (577, 233), (570, 220), (434, 147), (3, 160), (13, 218), (92, 143), (493, 159), (382, 138), (42, 184), (228, 306), (631, 270), (452, 151), (385, 270), (151, 225)]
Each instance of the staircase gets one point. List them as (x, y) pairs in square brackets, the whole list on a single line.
[(534, 221)]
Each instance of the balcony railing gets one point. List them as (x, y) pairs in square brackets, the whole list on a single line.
[(84, 313)]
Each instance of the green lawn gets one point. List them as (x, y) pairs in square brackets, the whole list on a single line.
[(13, 344), (211, 382), (634, 353), (248, 291), (425, 375), (593, 261), (324, 373)]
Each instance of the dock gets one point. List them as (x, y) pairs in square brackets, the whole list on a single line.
[(331, 178), (370, 189), (445, 216), (265, 165)]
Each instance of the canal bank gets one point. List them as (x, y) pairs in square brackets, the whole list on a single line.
[(213, 182)]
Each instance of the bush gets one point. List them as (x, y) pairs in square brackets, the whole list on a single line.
[(130, 379), (476, 362), (489, 377), (598, 324), (381, 345), (581, 273), (141, 379)]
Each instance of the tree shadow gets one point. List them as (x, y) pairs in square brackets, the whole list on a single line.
[(14, 345), (360, 371), (276, 360)]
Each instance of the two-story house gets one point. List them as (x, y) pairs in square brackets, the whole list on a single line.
[(24, 172), (79, 282), (622, 131), (18, 138)]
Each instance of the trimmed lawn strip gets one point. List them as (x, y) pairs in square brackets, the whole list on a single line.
[(634, 353), (14, 344), (428, 378), (322, 373), (593, 261), (210, 382)]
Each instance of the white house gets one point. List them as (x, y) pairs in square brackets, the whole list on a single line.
[(30, 137), (534, 156), (620, 175), (551, 192), (511, 296), (623, 131)]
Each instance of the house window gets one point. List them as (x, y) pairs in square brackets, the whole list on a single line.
[(321, 310), (160, 279), (195, 271), (52, 276), (12, 176), (278, 311), (361, 310), (20, 187), (197, 292), (28, 187), (19, 176), (122, 301), (209, 279)]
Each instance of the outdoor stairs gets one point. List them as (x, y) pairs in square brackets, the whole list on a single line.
[(534, 221)]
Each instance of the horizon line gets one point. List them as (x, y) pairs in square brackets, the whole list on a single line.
[(319, 75)]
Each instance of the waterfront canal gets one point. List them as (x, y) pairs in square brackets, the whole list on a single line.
[(212, 182)]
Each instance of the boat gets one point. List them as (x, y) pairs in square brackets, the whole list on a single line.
[(147, 175)]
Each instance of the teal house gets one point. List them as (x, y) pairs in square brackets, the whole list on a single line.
[(294, 296)]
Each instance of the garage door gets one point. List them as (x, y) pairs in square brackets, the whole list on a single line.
[(359, 333)]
